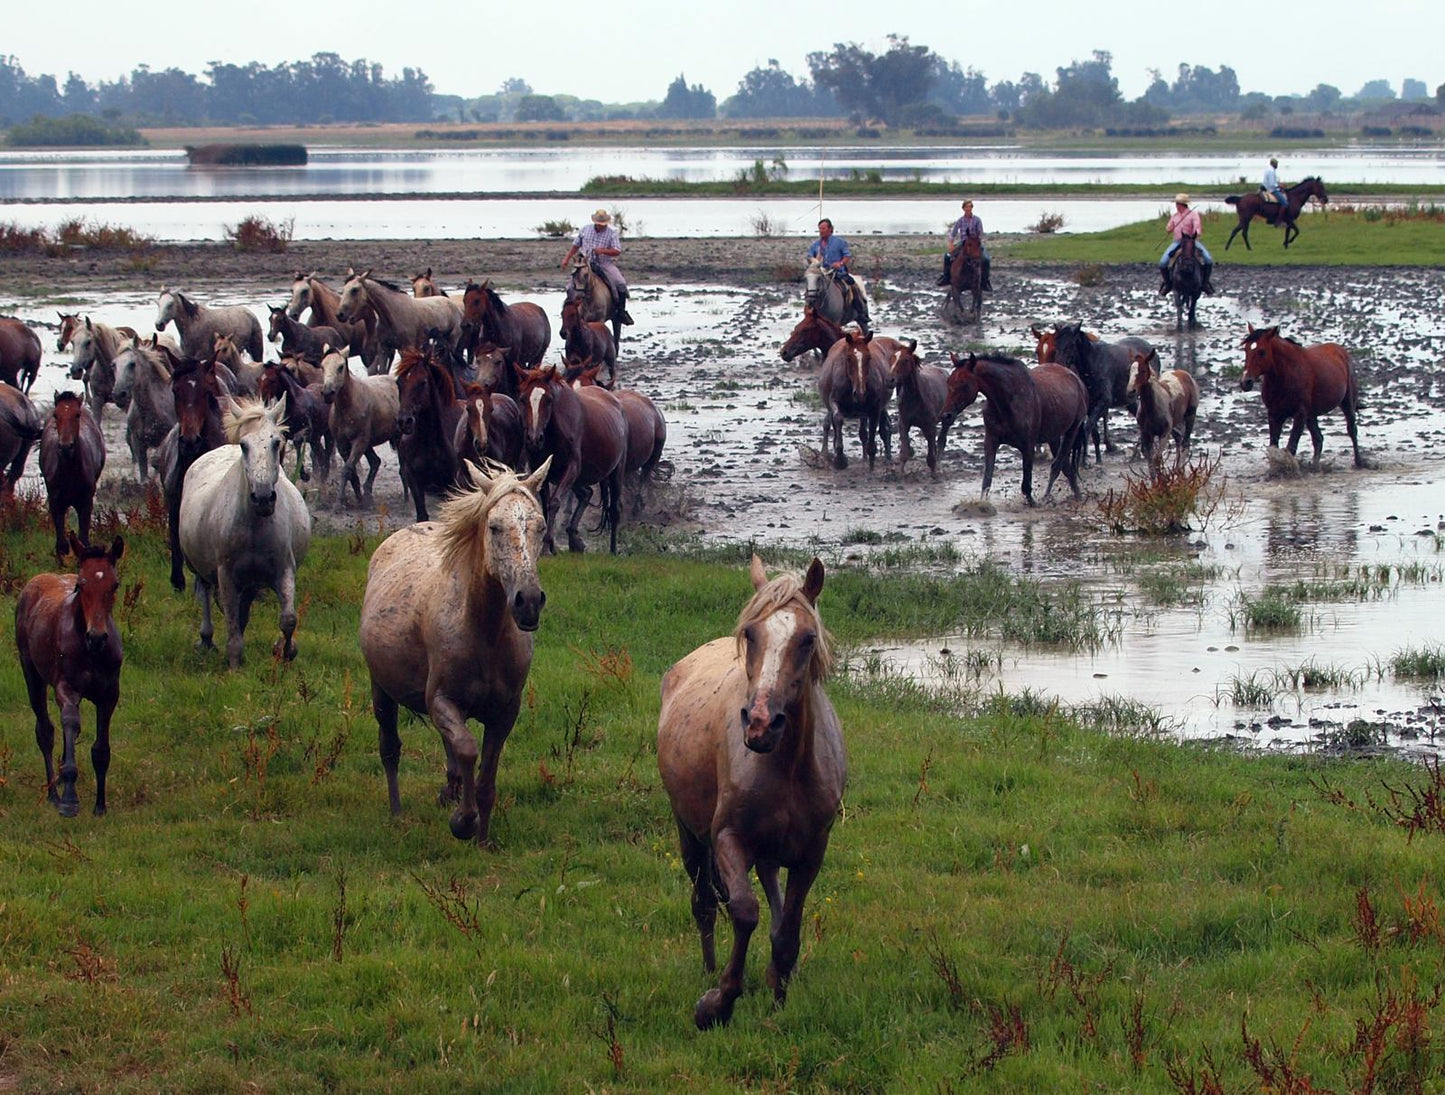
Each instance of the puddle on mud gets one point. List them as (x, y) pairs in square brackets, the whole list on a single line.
[(741, 423)]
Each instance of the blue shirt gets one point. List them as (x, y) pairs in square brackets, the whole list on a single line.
[(836, 250)]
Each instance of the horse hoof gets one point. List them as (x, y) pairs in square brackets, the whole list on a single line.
[(284, 648), (99, 810), (576, 543), (463, 826), (203, 645), (711, 1010), (840, 461), (178, 584), (67, 809)]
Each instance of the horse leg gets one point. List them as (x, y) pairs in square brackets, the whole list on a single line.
[(1317, 436), (990, 454), (388, 743), (1231, 237), (494, 737), (697, 861), (44, 727), (1294, 433), (236, 607), (930, 434), (905, 450), (868, 437), (785, 933), (885, 430), (203, 594), (840, 461), (100, 750), (58, 508), (285, 587), (614, 504), (1027, 450), (173, 516), (375, 462), (461, 750), (1348, 407), (716, 1005), (69, 700)]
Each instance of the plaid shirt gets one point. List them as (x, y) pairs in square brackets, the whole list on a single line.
[(966, 226), (592, 236)]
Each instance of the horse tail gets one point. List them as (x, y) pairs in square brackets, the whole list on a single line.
[(1233, 199)]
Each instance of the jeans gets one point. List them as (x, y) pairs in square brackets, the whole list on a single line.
[(1204, 254)]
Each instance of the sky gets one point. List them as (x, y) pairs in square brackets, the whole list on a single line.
[(630, 50)]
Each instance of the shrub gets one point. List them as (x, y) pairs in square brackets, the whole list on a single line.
[(1090, 274), (257, 233), (74, 129), (555, 229), (1162, 499), (764, 225), (70, 234), (1048, 223)]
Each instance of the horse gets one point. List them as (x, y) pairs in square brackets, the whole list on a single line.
[(402, 322), (198, 324), (197, 393), (93, 348), (1025, 407), (585, 432), (424, 285), (490, 369), (751, 753), (922, 392), (813, 332), (965, 275), (67, 638), (358, 337), (20, 428), (1249, 206), (854, 383), (1187, 281), (1301, 382), (587, 342), (143, 378), (20, 351), (429, 422), (492, 428), (244, 527), (307, 418), (296, 339), (363, 416), (824, 293), (594, 298), (1104, 368), (72, 455), (446, 631), (523, 328), (646, 430), (70, 322), (1168, 404), (1046, 352)]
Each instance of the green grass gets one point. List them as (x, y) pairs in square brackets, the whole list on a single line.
[(1128, 900), (1423, 662), (1331, 239)]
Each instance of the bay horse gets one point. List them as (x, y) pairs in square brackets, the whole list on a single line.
[(244, 527), (197, 393), (363, 416), (1301, 382), (646, 429), (198, 324), (587, 342), (1187, 281), (20, 428), (402, 322), (143, 379), (428, 423), (1249, 206), (1168, 405), (490, 369), (1025, 407), (493, 428), (20, 351), (1104, 368), (854, 383), (523, 328), (66, 635), (72, 456), (813, 332), (296, 339), (594, 297), (446, 630), (585, 434), (824, 292), (307, 419), (358, 336), (751, 753), (922, 393), (1046, 352), (424, 285), (965, 276)]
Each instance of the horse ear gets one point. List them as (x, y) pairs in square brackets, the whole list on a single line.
[(428, 272), (117, 549), (1035, 331), (954, 358), (277, 411), (912, 344), (74, 542), (813, 581), (1251, 328), (87, 324), (757, 573), (534, 481)]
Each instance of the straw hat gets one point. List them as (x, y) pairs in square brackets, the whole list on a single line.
[(601, 217), (1181, 199)]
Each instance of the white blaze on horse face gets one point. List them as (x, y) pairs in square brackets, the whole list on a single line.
[(332, 366), (165, 309), (534, 420), (300, 298), (777, 639)]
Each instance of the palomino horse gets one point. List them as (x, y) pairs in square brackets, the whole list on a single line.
[(429, 422), (20, 351), (493, 428), (197, 393), (965, 277), (446, 630), (244, 527), (424, 285), (1187, 281), (1026, 407), (198, 324), (20, 428), (585, 434), (72, 455), (587, 342), (68, 641), (854, 382), (93, 348), (813, 332), (823, 292), (363, 416), (1168, 405), (402, 322), (922, 392), (1249, 206), (1301, 382), (751, 753), (1104, 368), (296, 339), (594, 298), (523, 328), (143, 379), (307, 420), (358, 336)]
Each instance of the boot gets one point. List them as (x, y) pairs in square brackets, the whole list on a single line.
[(987, 284), (621, 312), (1208, 289), (1165, 287), (860, 313), (945, 277)]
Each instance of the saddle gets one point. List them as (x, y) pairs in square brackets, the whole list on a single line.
[(1268, 196)]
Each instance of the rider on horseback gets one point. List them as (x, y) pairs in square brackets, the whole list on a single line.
[(1185, 221), (966, 227), (1270, 184), (833, 252), (600, 245)]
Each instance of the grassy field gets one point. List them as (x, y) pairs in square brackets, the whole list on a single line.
[(1342, 236), (1013, 900)]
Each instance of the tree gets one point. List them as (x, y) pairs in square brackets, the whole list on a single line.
[(1414, 89), (772, 93), (515, 85), (962, 91), (1323, 97), (687, 102), (539, 108), (1376, 89), (876, 85)]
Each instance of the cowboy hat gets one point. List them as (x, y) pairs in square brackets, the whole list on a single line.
[(601, 217), (1181, 199)]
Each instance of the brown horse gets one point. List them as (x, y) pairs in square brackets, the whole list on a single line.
[(922, 393), (197, 392), (307, 419), (358, 336), (297, 339), (1046, 352), (751, 753), (1249, 206), (965, 275), (72, 455), (19, 354), (493, 427), (522, 328), (587, 342), (429, 421), (424, 285), (20, 428), (1301, 382), (1168, 405), (1025, 408), (814, 331), (585, 435), (646, 430), (68, 641), (446, 630), (489, 363), (70, 322), (854, 383)]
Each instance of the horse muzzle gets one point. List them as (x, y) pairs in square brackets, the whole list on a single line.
[(96, 641), (264, 505), (406, 425), (77, 372), (1246, 383), (526, 608), (761, 732)]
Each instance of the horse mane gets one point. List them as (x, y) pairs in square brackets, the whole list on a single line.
[(785, 589), (462, 518), (187, 304), (65, 396), (413, 359), (393, 286), (241, 416)]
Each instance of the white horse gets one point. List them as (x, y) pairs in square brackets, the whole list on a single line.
[(826, 295), (198, 325), (363, 415), (244, 526), (143, 379)]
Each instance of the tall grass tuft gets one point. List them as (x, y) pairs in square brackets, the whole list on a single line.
[(1424, 662), (257, 233), (1165, 498)]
